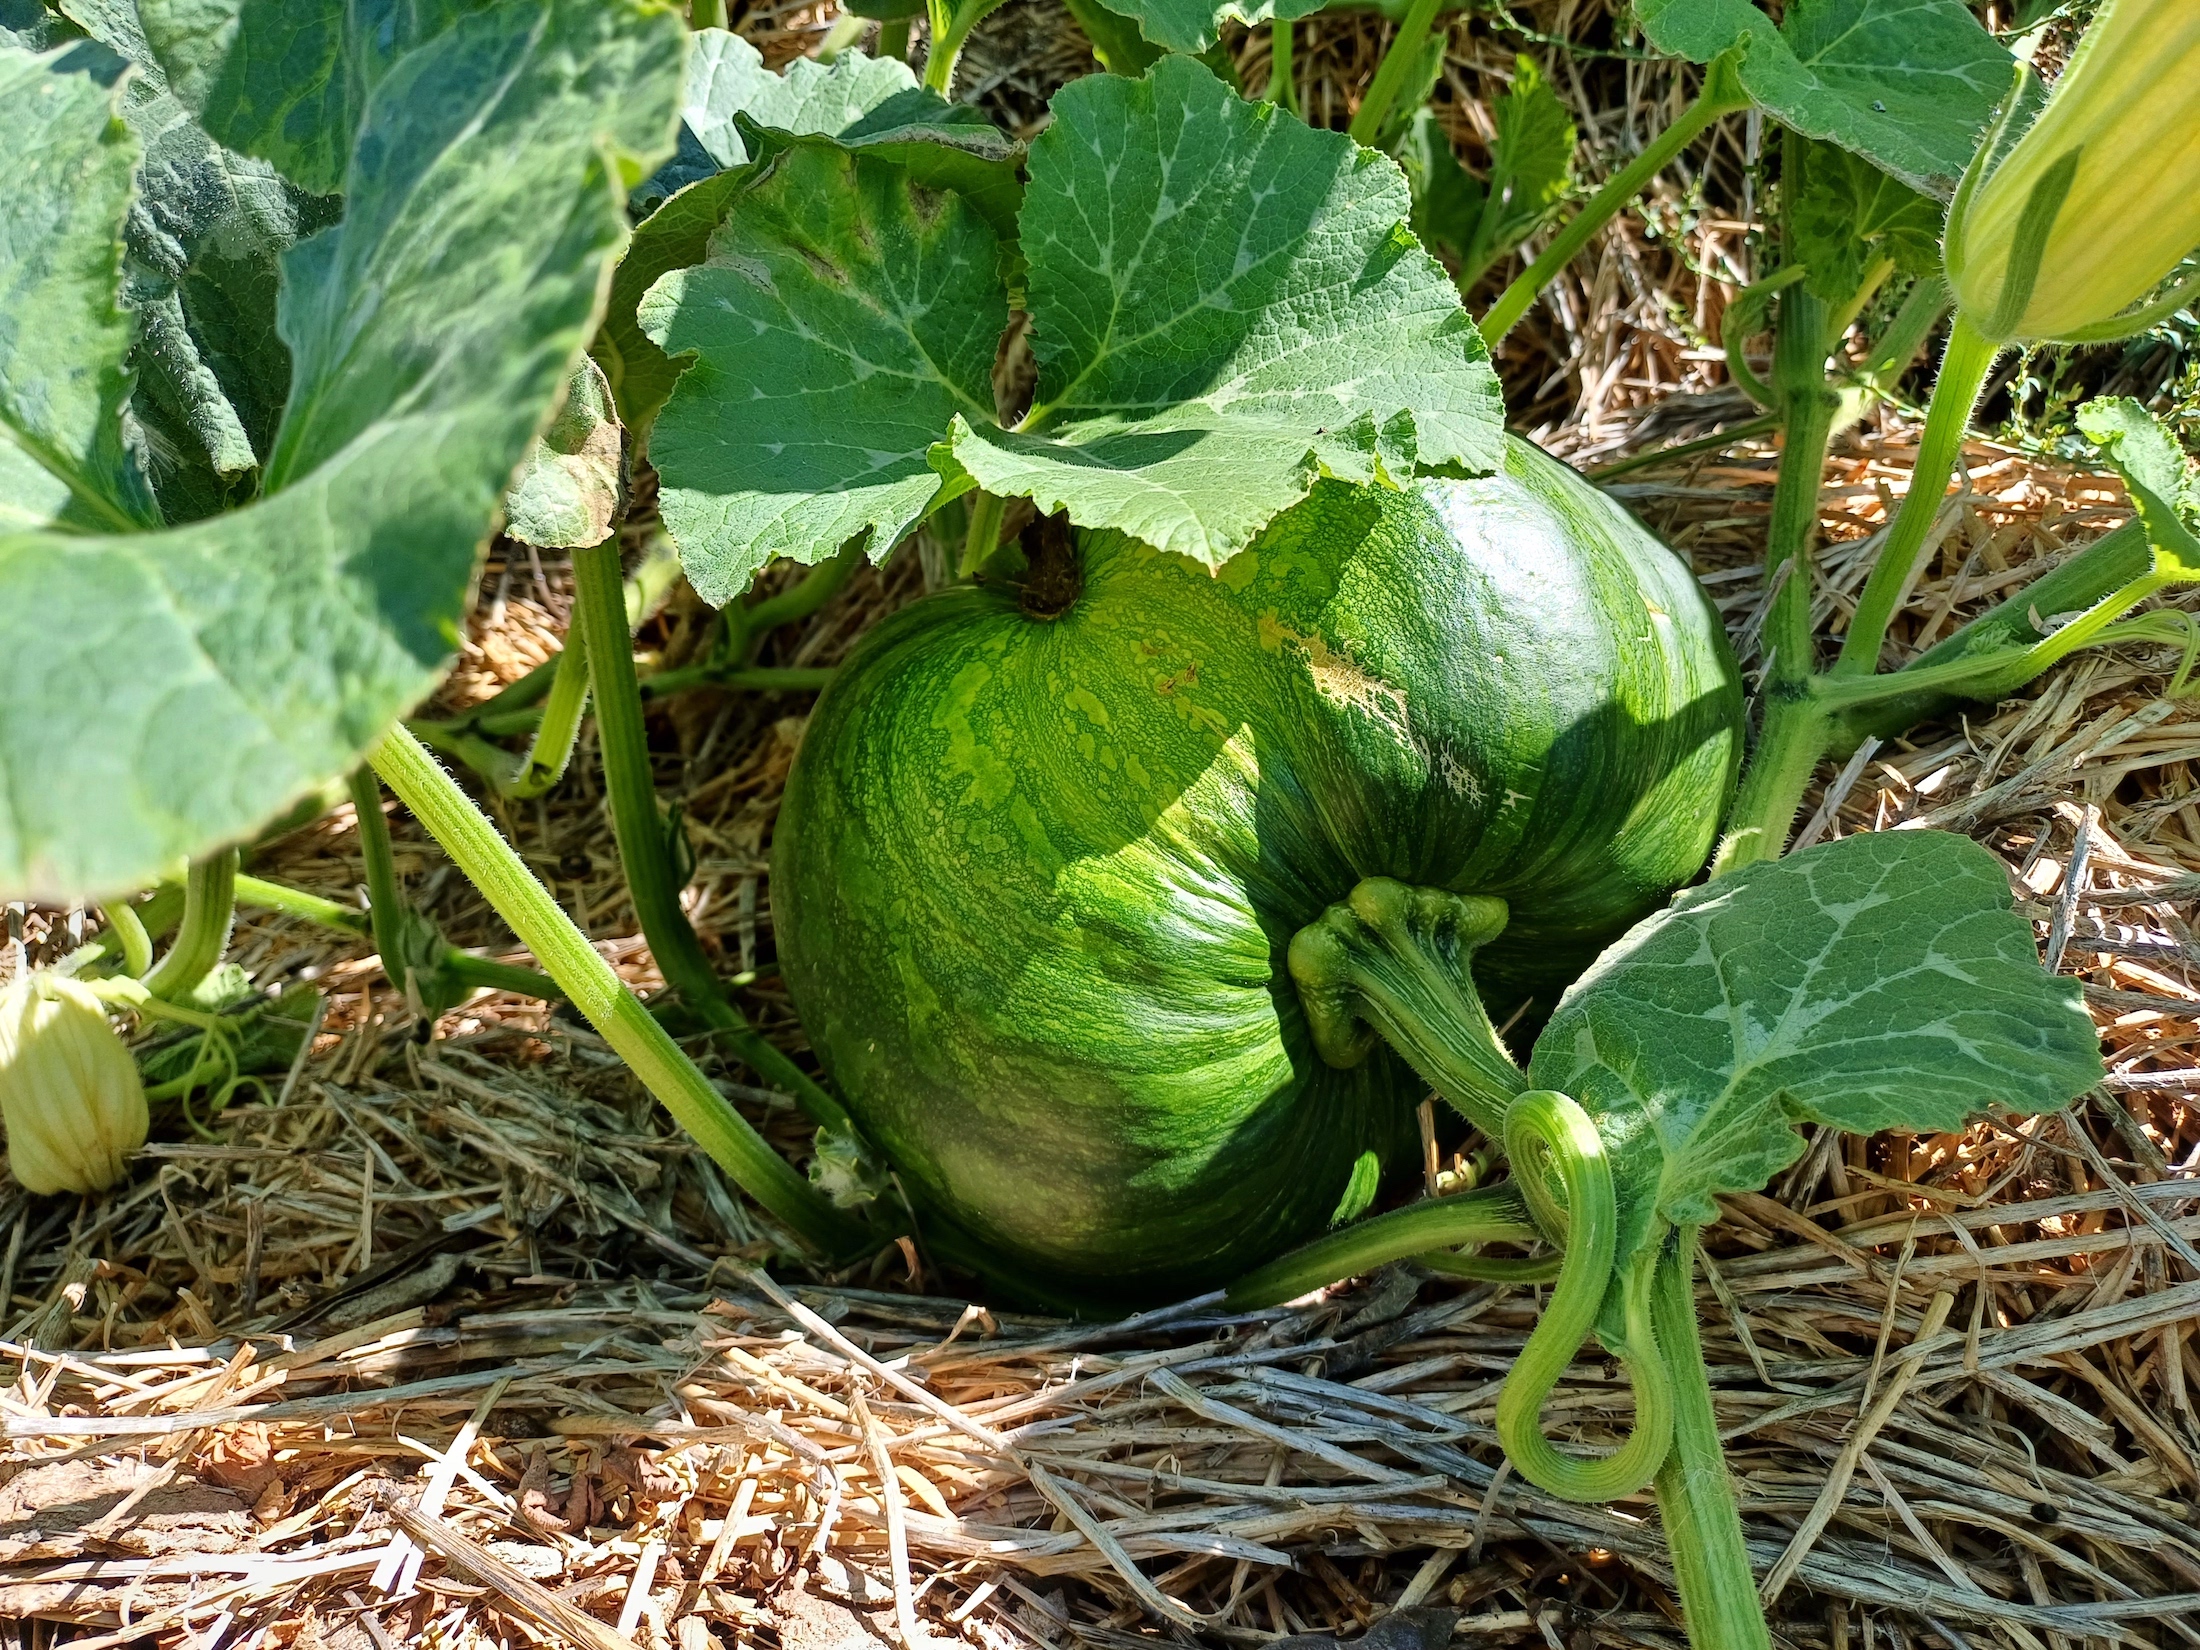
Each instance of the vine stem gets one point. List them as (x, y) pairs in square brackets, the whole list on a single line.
[(1703, 1524), (1722, 94), (600, 607), (1795, 729), (1390, 74), (1488, 1214), (475, 846), (1282, 40), (1547, 1133), (209, 906), (483, 973), (137, 947), (559, 728), (385, 899), (951, 26), (1963, 369)]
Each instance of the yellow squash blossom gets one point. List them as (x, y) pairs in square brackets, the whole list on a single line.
[(2110, 174), (69, 1091)]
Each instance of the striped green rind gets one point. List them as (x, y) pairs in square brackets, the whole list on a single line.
[(1034, 878)]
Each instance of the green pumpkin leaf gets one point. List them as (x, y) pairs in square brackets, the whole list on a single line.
[(1882, 981), (1447, 201), (844, 317), (1192, 26), (204, 239), (1531, 166), (2160, 479), (1841, 215), (1908, 84), (29, 25), (288, 80), (168, 691), (737, 111), (1202, 360), (65, 341), (567, 491), (1226, 305)]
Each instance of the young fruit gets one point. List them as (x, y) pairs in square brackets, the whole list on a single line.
[(1045, 846), (69, 1091)]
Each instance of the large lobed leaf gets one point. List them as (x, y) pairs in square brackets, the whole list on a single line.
[(1225, 305), (1882, 981), (2158, 476), (735, 107), (166, 691), (289, 80), (1908, 84), (64, 338), (204, 241)]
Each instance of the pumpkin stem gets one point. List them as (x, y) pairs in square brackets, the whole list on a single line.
[(1053, 571), (1394, 960)]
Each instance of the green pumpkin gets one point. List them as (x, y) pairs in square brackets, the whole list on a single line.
[(1037, 869)]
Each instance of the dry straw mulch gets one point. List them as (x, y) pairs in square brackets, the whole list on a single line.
[(452, 1340)]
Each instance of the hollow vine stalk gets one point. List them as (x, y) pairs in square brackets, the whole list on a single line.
[(209, 907), (600, 610), (1722, 94), (1703, 1524), (475, 846), (1548, 1136)]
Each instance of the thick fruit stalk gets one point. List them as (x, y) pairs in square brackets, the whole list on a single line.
[(1395, 960)]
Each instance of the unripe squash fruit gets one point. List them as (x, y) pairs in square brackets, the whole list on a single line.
[(1045, 845)]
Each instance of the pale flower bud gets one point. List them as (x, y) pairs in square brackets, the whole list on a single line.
[(69, 1090), (2119, 143)]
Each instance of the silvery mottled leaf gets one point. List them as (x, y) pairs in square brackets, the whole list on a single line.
[(1882, 981), (244, 659), (205, 237), (1226, 305), (1908, 84), (288, 80), (64, 339), (842, 318), (566, 492), (1841, 214)]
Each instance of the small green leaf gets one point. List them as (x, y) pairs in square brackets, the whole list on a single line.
[(727, 80), (1447, 202), (568, 489), (1841, 214), (1530, 166), (1882, 981), (1225, 305), (169, 691), (844, 316), (1908, 84), (1192, 26), (65, 339), (738, 111), (2157, 474), (1115, 40)]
